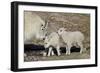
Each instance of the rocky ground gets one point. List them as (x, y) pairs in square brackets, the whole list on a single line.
[(37, 56)]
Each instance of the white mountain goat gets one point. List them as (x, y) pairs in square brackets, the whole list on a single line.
[(71, 37), (34, 26), (52, 41)]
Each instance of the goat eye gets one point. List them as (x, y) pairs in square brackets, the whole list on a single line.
[(45, 43), (42, 25)]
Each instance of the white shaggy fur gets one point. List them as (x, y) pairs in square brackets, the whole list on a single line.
[(34, 26), (71, 37), (51, 41)]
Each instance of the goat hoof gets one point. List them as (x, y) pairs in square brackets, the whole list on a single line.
[(80, 52), (58, 55), (67, 53)]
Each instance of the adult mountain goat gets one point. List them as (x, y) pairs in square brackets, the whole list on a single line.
[(34, 26), (52, 41), (71, 37)]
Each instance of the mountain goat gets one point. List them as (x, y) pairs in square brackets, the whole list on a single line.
[(52, 41), (34, 26), (71, 37)]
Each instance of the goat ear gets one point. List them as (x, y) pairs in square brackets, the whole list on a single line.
[(46, 24)]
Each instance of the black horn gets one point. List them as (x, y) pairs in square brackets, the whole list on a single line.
[(46, 24)]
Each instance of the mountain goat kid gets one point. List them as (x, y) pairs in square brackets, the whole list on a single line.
[(52, 41), (71, 37)]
